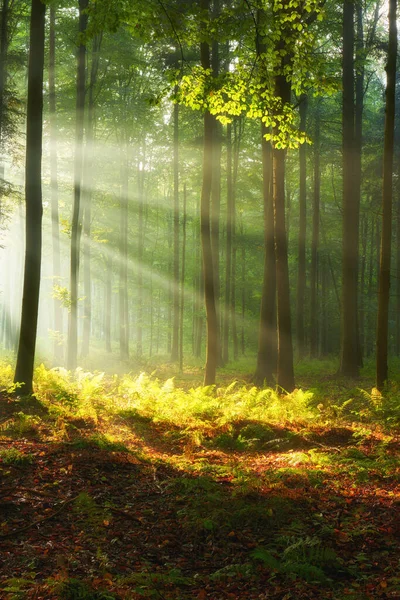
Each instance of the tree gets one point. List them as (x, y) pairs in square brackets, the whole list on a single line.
[(386, 237), (76, 227), (205, 231), (267, 337), (33, 201), (350, 347), (58, 317), (175, 293), (301, 273)]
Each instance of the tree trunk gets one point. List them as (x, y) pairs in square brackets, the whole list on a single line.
[(107, 320), (87, 200), (386, 240), (33, 201), (267, 338), (140, 251), (4, 26), (55, 227), (183, 278), (228, 266), (175, 311), (315, 241), (285, 372), (349, 359), (237, 128), (363, 293), (123, 257), (398, 275), (78, 168), (301, 272), (216, 193), (205, 231)]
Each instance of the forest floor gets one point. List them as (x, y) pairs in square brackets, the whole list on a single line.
[(128, 504)]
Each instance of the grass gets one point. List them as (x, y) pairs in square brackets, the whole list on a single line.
[(191, 492)]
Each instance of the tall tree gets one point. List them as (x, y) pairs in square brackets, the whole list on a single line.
[(76, 226), (87, 195), (123, 252), (315, 238), (267, 339), (350, 347), (4, 26), (301, 268), (228, 264), (386, 238), (55, 221), (205, 229), (175, 292), (282, 89), (33, 201)]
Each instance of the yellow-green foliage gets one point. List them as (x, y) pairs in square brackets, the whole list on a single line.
[(84, 394)]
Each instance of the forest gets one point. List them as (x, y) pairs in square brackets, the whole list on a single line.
[(199, 300)]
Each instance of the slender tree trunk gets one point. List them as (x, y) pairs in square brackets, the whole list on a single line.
[(370, 293), (216, 193), (364, 239), (55, 227), (358, 130), (107, 323), (285, 371), (4, 26), (267, 337), (78, 169), (175, 311), (33, 202), (140, 252), (228, 266), (87, 200), (183, 278), (123, 257), (385, 255), (205, 230), (398, 274), (243, 257), (236, 147), (349, 360), (324, 310), (315, 241), (301, 272)]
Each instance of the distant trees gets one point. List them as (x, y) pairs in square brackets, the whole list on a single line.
[(136, 144)]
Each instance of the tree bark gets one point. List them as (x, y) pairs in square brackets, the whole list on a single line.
[(349, 359), (55, 226), (140, 252), (301, 272), (228, 265), (285, 371), (87, 199), (267, 337), (182, 307), (108, 299), (386, 240), (33, 202), (123, 257), (76, 227), (315, 241), (3, 63), (205, 232), (175, 310)]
